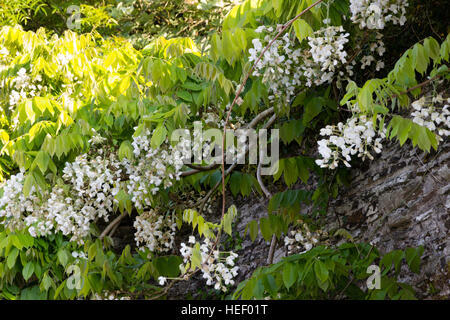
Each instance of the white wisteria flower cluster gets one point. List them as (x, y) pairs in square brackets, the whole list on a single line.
[(302, 239), (374, 14), (279, 66), (326, 55), (23, 87), (107, 295), (357, 136), (151, 170), (14, 205), (285, 68), (218, 268), (154, 231), (377, 48), (432, 116), (87, 194)]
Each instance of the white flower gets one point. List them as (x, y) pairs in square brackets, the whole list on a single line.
[(214, 271), (375, 14), (430, 115), (353, 137), (162, 281)]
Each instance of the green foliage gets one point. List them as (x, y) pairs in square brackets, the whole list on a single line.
[(206, 228), (51, 129), (294, 168), (18, 11), (331, 273), (107, 89), (45, 268), (376, 95)]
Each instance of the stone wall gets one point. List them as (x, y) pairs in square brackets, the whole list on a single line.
[(400, 200)]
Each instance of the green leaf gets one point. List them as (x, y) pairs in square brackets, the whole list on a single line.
[(124, 201), (28, 184), (413, 258), (11, 260), (42, 160), (290, 171), (158, 137), (420, 58), (192, 86), (403, 130), (289, 275), (59, 289), (63, 257), (28, 270), (185, 95), (344, 233), (266, 228), (124, 84), (235, 183), (92, 252), (432, 47), (302, 29), (126, 150), (228, 219), (321, 271), (397, 256), (46, 282), (253, 226), (312, 108), (196, 259), (29, 111), (168, 266)]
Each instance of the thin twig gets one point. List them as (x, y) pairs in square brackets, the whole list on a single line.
[(417, 86), (345, 288)]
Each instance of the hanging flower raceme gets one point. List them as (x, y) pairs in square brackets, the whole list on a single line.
[(154, 231), (372, 14), (87, 193), (429, 114), (302, 239), (325, 56), (90, 184), (218, 268), (23, 86), (357, 136), (279, 66), (285, 68), (152, 169)]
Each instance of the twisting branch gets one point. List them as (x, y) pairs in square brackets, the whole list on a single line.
[(273, 242), (242, 85), (113, 223), (197, 169), (251, 125)]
